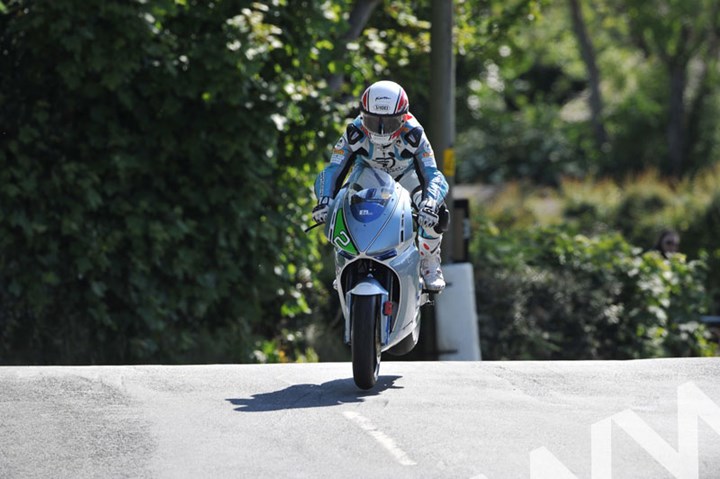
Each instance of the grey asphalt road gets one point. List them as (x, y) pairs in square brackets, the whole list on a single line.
[(469, 420)]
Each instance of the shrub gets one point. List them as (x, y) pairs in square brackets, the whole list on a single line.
[(703, 235), (151, 158), (639, 208), (543, 293)]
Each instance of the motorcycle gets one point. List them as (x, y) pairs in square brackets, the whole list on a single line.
[(377, 270)]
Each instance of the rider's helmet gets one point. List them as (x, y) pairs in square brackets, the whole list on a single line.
[(384, 105)]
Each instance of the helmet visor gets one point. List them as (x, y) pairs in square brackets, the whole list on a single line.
[(382, 125)]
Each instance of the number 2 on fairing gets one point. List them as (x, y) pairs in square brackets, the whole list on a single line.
[(342, 239)]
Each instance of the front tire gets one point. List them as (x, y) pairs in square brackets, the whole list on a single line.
[(365, 341)]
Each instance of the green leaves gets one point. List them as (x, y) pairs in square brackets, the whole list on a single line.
[(575, 297), (153, 177)]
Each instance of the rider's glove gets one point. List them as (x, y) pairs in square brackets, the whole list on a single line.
[(320, 212), (428, 214)]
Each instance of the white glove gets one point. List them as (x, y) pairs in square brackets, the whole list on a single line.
[(428, 216), (320, 212)]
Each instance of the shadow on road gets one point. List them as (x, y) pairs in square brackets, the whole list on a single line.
[(299, 396)]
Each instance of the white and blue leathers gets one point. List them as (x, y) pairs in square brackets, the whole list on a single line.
[(409, 159)]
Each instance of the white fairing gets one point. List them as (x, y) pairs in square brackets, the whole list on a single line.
[(371, 227)]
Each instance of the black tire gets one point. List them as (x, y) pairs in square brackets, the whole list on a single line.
[(365, 341)]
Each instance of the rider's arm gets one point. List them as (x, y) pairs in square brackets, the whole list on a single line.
[(329, 181), (433, 182)]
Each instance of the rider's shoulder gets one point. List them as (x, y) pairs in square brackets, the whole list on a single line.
[(411, 122), (354, 132), (412, 131)]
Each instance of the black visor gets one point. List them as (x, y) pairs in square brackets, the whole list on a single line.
[(382, 125)]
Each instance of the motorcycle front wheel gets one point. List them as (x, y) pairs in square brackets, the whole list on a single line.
[(365, 341)]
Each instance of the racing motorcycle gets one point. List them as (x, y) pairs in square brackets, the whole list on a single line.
[(377, 270)]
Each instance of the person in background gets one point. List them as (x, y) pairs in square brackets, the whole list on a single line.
[(667, 243)]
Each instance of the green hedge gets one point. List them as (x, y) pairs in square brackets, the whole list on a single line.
[(153, 177), (544, 293)]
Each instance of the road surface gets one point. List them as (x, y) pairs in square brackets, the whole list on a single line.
[(468, 420)]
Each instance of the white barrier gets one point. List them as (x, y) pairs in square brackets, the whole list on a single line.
[(458, 338)]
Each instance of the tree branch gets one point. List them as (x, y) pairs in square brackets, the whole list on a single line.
[(587, 51), (359, 16)]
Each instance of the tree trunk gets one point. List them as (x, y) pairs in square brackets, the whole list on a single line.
[(359, 16), (676, 116), (707, 64), (587, 51)]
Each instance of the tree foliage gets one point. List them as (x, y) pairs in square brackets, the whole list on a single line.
[(657, 71), (152, 173)]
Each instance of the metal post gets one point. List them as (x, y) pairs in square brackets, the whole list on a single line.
[(442, 102), (455, 325)]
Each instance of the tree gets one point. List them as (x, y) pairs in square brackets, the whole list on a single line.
[(155, 163), (359, 17), (675, 35)]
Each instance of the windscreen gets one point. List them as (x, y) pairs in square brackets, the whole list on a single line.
[(369, 194)]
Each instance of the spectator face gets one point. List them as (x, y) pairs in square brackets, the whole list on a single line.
[(670, 243)]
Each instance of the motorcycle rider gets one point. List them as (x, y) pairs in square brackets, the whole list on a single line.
[(385, 135)]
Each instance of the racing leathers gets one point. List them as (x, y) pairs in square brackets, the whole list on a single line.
[(410, 160)]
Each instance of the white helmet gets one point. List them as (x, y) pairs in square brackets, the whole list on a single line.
[(384, 105)]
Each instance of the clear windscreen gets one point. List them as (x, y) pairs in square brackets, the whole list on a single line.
[(369, 193)]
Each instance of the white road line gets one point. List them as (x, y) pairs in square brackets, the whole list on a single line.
[(385, 441)]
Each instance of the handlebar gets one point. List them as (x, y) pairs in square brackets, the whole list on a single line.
[(313, 227)]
